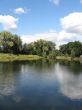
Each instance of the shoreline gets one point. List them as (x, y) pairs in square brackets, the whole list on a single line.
[(67, 58), (20, 57), (13, 57)]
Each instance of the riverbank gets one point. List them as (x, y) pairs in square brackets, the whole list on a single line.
[(12, 57), (67, 58)]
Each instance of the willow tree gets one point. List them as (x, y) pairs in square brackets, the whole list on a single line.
[(10, 43)]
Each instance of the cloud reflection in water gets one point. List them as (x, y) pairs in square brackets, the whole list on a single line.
[(70, 84)]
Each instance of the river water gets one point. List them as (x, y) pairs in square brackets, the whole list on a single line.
[(41, 85)]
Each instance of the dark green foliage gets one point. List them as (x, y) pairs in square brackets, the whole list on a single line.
[(40, 47), (73, 49), (10, 43), (17, 44), (6, 41)]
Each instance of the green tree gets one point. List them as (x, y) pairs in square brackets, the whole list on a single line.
[(6, 41), (72, 49), (10, 43), (17, 44), (41, 48)]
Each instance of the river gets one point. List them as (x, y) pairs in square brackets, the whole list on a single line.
[(41, 85)]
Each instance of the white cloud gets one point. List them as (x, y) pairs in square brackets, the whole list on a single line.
[(65, 37), (56, 37), (59, 38), (19, 10), (55, 2), (81, 1), (8, 22), (71, 30), (50, 36), (72, 23)]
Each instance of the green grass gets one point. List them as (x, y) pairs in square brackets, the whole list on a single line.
[(67, 58), (12, 57)]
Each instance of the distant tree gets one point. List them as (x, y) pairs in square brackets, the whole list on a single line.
[(64, 49), (25, 49), (72, 48), (17, 44), (10, 43), (41, 48), (6, 41), (75, 48)]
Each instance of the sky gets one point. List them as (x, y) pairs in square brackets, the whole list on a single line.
[(59, 21)]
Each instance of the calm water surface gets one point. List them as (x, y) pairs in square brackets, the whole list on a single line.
[(41, 85)]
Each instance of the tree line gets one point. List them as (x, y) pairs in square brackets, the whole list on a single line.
[(12, 43)]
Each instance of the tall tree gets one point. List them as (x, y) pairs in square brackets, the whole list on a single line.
[(6, 41), (41, 47), (10, 43), (17, 44), (72, 48)]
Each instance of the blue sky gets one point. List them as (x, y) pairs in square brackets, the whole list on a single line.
[(55, 20)]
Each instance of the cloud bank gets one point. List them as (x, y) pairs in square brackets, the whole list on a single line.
[(72, 23), (8, 22), (71, 30)]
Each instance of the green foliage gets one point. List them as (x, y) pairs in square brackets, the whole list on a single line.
[(73, 49), (17, 44), (10, 43), (12, 57), (40, 47), (6, 41), (52, 55)]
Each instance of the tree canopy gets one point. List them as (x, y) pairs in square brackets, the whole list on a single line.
[(40, 47), (12, 43), (72, 49)]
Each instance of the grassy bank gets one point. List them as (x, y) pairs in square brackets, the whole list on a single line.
[(11, 57), (67, 58)]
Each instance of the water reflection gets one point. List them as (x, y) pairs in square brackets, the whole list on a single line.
[(41, 66), (74, 67), (41, 85), (70, 82), (8, 73), (15, 73)]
